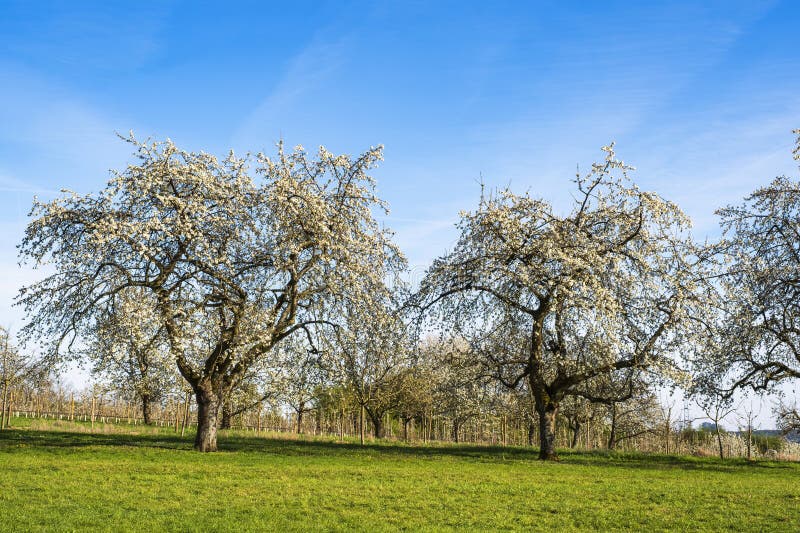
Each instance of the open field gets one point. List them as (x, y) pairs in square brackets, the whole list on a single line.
[(75, 480)]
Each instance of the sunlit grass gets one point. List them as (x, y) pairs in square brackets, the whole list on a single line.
[(115, 480)]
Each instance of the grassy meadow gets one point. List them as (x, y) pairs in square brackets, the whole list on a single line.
[(60, 476)]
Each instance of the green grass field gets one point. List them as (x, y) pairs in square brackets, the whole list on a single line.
[(59, 480)]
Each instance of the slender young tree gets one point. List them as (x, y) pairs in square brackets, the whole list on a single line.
[(258, 387), (632, 417), (628, 402), (746, 420), (416, 397), (16, 368), (716, 409), (300, 377), (235, 261)]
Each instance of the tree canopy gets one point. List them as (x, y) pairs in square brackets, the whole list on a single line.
[(560, 300), (235, 260), (756, 340)]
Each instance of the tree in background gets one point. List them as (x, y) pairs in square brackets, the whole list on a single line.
[(746, 419), (234, 262), (416, 397), (788, 418), (130, 349), (756, 344), (556, 301), (301, 377), (578, 412), (369, 356), (716, 409), (338, 402), (631, 418), (627, 403), (255, 389), (460, 392), (15, 368)]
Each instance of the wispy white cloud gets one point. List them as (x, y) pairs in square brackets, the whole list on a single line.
[(10, 184), (54, 136), (49, 139), (306, 72), (79, 37)]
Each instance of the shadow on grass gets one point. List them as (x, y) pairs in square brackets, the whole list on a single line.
[(16, 440)]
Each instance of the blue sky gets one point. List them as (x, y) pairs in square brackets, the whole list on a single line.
[(700, 97)]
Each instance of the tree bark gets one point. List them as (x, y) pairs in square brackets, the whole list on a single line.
[(300, 411), (3, 422), (185, 415), (147, 409), (10, 400), (454, 431), (377, 423), (208, 405), (612, 435), (547, 411), (576, 432), (227, 416), (531, 432), (361, 424)]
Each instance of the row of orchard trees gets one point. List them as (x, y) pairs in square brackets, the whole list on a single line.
[(259, 278), (433, 397), (434, 394)]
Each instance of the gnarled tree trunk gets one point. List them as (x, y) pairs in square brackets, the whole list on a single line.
[(227, 416), (377, 423), (531, 431), (454, 431), (147, 408), (547, 410), (208, 406), (612, 435), (300, 410), (576, 431)]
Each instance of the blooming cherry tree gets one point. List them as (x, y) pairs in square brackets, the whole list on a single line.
[(757, 335), (554, 301), (233, 259)]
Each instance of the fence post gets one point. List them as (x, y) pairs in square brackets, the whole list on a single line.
[(10, 402), (185, 414), (5, 399)]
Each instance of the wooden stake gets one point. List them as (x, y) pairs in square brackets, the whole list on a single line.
[(361, 424), (5, 403), (185, 414)]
